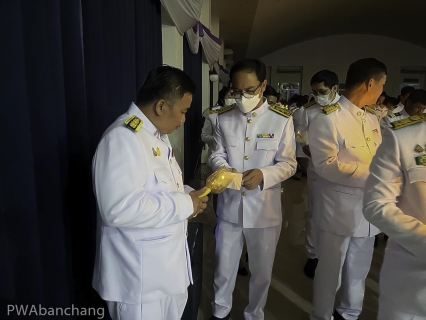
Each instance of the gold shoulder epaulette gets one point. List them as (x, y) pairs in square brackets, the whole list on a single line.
[(309, 104), (281, 110), (331, 108), (213, 111), (392, 115), (408, 121), (226, 109), (134, 123), (371, 110)]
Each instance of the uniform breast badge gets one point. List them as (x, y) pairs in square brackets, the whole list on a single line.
[(158, 152), (154, 152), (421, 160), (419, 149), (266, 135), (134, 123)]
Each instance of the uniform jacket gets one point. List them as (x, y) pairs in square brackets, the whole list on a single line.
[(262, 139), (395, 202), (142, 252), (343, 144)]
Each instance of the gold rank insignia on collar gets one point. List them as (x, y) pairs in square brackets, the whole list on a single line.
[(226, 109), (134, 123), (281, 110), (392, 115), (421, 160), (309, 104), (419, 149), (266, 135), (213, 111), (156, 152), (370, 110), (331, 108), (408, 121)]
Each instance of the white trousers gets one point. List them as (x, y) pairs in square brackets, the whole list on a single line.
[(311, 230), (343, 263), (261, 245), (391, 310), (169, 308)]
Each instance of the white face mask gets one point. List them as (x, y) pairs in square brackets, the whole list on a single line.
[(229, 102), (323, 100), (247, 105)]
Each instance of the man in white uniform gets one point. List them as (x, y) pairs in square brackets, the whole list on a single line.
[(395, 201), (142, 264), (325, 86), (410, 109), (405, 92), (257, 140), (343, 141)]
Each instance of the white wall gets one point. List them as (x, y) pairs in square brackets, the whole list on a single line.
[(336, 53)]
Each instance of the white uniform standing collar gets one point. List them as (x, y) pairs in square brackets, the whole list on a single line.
[(399, 108), (344, 102), (336, 98), (147, 124)]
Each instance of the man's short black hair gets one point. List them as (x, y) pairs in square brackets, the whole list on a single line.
[(361, 71), (270, 91), (418, 95), (392, 100), (249, 65), (166, 83), (407, 90), (329, 78)]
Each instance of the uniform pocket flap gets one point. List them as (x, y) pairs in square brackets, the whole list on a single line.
[(354, 143), (267, 144), (231, 141), (417, 174)]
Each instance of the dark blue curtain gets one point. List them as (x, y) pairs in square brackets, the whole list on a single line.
[(192, 65), (68, 69)]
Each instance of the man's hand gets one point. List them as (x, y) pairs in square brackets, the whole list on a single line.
[(252, 179), (307, 150), (199, 204)]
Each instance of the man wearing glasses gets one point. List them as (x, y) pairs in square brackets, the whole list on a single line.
[(324, 85), (257, 140)]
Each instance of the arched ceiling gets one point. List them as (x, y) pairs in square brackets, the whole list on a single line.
[(255, 28)]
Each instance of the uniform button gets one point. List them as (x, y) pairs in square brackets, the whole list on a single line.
[(359, 113), (170, 160), (368, 139), (186, 232), (363, 120), (254, 114), (248, 139), (246, 157), (282, 190), (250, 121), (178, 185), (244, 194)]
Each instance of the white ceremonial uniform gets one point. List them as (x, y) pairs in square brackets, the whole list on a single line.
[(343, 144), (398, 108), (387, 121), (142, 263), (262, 139), (395, 201), (207, 134), (310, 112)]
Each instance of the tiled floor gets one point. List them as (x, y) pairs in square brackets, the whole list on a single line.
[(290, 294)]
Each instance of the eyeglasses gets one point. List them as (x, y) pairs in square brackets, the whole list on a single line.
[(247, 94), (320, 93)]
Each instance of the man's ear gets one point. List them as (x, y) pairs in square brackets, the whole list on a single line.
[(159, 107), (370, 84)]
